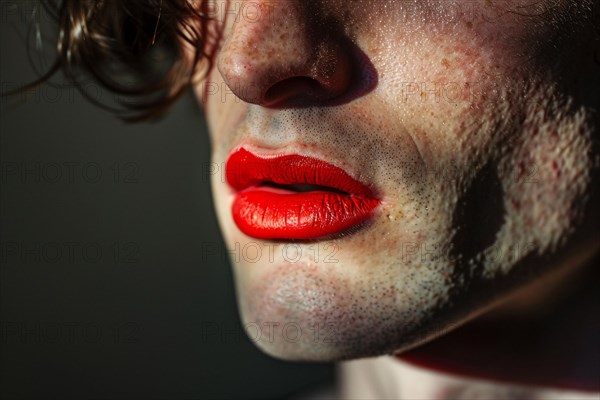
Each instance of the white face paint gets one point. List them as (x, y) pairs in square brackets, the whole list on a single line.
[(469, 119)]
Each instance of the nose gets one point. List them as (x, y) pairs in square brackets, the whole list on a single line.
[(280, 56)]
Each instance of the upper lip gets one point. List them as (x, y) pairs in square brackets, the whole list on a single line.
[(245, 169)]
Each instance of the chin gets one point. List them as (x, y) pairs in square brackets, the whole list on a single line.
[(308, 312)]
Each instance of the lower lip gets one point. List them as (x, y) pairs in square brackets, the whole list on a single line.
[(266, 213)]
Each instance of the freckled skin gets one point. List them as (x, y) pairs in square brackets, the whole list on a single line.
[(456, 92)]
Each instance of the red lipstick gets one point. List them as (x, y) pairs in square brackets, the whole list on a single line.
[(295, 197)]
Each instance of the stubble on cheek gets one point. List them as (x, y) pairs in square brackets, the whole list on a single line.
[(547, 172), (475, 104)]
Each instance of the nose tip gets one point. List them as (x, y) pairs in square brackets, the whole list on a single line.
[(280, 62)]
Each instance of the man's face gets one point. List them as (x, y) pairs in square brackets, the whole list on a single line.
[(469, 121)]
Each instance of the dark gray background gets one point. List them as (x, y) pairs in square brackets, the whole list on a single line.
[(105, 289)]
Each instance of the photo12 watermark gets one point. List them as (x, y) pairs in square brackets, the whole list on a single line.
[(69, 252), (268, 332), (71, 172), (69, 332), (266, 252)]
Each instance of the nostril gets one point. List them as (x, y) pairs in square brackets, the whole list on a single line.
[(291, 89)]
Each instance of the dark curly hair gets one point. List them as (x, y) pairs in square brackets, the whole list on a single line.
[(143, 40)]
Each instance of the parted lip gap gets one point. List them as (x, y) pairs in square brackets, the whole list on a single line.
[(302, 187)]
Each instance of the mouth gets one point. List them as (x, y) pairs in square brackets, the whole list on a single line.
[(295, 197)]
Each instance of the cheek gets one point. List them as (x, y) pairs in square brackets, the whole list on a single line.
[(547, 175), (453, 98), (468, 98), (449, 67)]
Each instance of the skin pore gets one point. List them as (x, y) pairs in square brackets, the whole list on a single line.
[(469, 121)]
